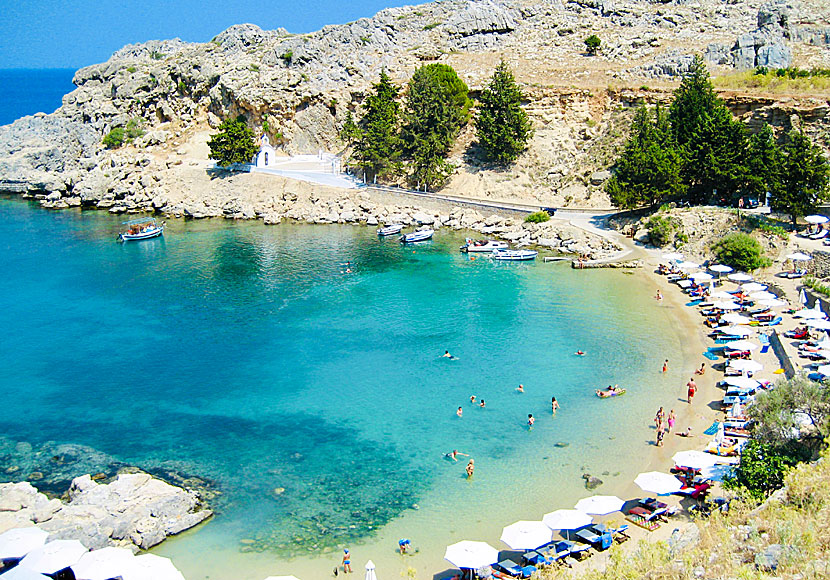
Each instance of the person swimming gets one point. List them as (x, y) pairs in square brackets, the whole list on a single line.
[(520, 388), (446, 354), (580, 353)]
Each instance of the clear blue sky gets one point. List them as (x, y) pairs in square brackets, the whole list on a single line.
[(76, 33)]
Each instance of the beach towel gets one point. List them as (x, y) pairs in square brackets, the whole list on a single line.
[(712, 429), (694, 302), (640, 521), (710, 355)]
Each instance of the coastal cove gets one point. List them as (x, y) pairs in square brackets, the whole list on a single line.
[(317, 399)]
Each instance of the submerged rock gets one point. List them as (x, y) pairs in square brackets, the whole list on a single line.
[(591, 481)]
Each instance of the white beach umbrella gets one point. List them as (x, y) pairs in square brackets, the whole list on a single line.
[(736, 330), (370, 571), (469, 554), (54, 556), (799, 257), (772, 302), (673, 257), (151, 567), (824, 370), (802, 297), (658, 482), (721, 268), (700, 276), (740, 277), (566, 519), (753, 287), (18, 542), (809, 314), (526, 535), (21, 573), (818, 324), (599, 505), (746, 366), (742, 345), (698, 459), (722, 295), (735, 318), (102, 564), (688, 265), (726, 305), (741, 382), (763, 295), (815, 219)]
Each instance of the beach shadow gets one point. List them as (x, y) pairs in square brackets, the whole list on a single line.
[(682, 400), (714, 405), (448, 573)]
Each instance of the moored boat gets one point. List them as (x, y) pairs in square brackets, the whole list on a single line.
[(141, 229), (514, 255), (484, 246), (418, 236), (390, 230)]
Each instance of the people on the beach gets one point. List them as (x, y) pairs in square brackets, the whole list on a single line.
[(470, 468), (658, 418), (347, 561), (686, 433), (671, 420), (530, 421), (455, 453), (701, 370), (460, 412), (403, 545), (554, 404), (520, 388), (692, 386), (659, 295), (660, 434), (666, 365)]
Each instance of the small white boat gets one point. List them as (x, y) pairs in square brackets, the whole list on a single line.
[(390, 230), (515, 255), (141, 229), (418, 236), (484, 246)]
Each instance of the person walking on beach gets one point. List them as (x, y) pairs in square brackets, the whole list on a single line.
[(659, 295), (666, 365), (347, 561), (460, 412), (660, 434), (470, 468), (554, 404), (530, 421), (658, 418), (692, 386), (671, 420)]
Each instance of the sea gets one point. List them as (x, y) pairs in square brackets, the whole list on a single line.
[(295, 372)]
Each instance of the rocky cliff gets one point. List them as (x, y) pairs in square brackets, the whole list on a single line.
[(303, 86)]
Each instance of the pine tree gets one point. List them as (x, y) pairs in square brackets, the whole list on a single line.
[(349, 132), (234, 143), (694, 100), (437, 107), (503, 128), (764, 159), (804, 177), (377, 148)]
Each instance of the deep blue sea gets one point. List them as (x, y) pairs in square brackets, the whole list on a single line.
[(29, 91)]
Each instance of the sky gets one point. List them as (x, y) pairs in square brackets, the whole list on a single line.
[(77, 33)]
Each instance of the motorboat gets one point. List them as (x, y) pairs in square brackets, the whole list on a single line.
[(418, 236), (484, 246), (141, 229), (515, 255), (390, 230)]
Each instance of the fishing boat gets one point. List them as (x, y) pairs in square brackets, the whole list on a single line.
[(141, 229), (484, 246), (390, 230), (418, 236), (514, 255)]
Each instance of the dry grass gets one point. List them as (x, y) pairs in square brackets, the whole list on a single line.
[(797, 519), (771, 83)]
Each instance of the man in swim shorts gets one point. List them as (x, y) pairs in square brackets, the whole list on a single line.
[(347, 561), (403, 545), (446, 354), (470, 468), (692, 386)]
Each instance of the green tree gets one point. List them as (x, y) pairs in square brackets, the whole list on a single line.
[(234, 143), (377, 147), (741, 251), (761, 471), (648, 172), (763, 164), (592, 44), (804, 177), (349, 132), (502, 126), (694, 100), (437, 106)]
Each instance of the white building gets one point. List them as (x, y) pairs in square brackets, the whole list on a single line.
[(267, 155)]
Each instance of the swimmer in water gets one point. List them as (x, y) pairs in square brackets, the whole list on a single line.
[(460, 413), (481, 404), (446, 354), (554, 404), (530, 421), (455, 453), (580, 353), (472, 399), (520, 388)]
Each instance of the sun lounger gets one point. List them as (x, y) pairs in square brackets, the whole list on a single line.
[(822, 234), (598, 541), (580, 552), (642, 522), (512, 568), (536, 558)]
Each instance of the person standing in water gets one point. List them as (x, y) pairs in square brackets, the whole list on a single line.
[(520, 388), (470, 468), (530, 421), (554, 404), (460, 412)]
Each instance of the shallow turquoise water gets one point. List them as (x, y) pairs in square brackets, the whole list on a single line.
[(246, 354)]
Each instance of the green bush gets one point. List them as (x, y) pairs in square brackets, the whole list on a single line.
[(182, 87), (663, 230), (741, 251), (287, 56), (115, 138), (761, 471), (817, 286), (131, 69), (156, 55), (537, 217), (592, 44), (431, 26)]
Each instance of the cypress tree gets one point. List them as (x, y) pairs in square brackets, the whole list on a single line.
[(502, 126), (804, 177), (763, 165), (234, 143), (377, 147)]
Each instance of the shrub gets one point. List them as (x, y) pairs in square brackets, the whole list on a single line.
[(741, 251), (592, 44), (537, 217), (115, 138), (431, 26), (817, 286), (287, 56), (757, 222), (131, 69), (156, 55), (762, 470), (133, 129), (182, 87), (663, 230)]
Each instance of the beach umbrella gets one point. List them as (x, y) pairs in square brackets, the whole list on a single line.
[(772, 302), (469, 554), (599, 505), (673, 257), (370, 571), (763, 295), (102, 564), (740, 277), (54, 556), (526, 535), (735, 318), (21, 573), (815, 219), (736, 331), (566, 519), (799, 257), (809, 314), (722, 295), (152, 567), (802, 297), (721, 268), (18, 542), (818, 324), (753, 287), (658, 482), (742, 345), (688, 265), (741, 382), (726, 305), (745, 365), (698, 459), (700, 276), (824, 370)]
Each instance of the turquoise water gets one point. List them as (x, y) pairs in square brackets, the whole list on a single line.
[(29, 91), (317, 399)]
